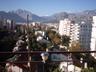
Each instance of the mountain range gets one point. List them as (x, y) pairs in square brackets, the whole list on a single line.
[(21, 16)]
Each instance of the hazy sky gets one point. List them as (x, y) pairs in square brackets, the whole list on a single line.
[(48, 7)]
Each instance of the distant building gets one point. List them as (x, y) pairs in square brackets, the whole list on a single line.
[(7, 24), (85, 34), (74, 33), (93, 37), (69, 28), (69, 67), (10, 24), (65, 27), (79, 32)]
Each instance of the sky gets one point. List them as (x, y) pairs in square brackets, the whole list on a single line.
[(48, 7)]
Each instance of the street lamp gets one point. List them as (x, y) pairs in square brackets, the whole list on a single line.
[(28, 44), (44, 58), (81, 61)]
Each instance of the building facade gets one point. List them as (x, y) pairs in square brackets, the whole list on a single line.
[(93, 37), (69, 28), (85, 30), (74, 34), (7, 24), (78, 32), (65, 27)]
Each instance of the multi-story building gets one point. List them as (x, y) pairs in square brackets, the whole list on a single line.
[(7, 24), (79, 32), (85, 34), (93, 37), (64, 27), (74, 34), (69, 28), (10, 24)]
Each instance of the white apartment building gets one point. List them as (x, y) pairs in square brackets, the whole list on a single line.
[(64, 27), (74, 35), (7, 24), (77, 31), (69, 28), (93, 37)]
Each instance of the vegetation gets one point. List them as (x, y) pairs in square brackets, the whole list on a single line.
[(55, 39), (8, 40), (88, 70), (75, 46), (65, 40)]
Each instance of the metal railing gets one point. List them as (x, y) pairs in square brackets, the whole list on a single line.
[(39, 52)]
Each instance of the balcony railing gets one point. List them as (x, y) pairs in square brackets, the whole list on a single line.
[(33, 63)]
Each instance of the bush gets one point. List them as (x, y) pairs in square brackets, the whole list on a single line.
[(88, 70)]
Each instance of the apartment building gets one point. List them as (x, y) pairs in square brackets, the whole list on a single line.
[(85, 30), (69, 28), (65, 27), (74, 33), (93, 37), (7, 24), (80, 32)]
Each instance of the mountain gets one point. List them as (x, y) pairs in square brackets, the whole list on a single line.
[(12, 16), (56, 17), (21, 16), (24, 13), (77, 17)]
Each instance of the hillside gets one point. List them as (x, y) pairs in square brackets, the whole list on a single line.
[(21, 16)]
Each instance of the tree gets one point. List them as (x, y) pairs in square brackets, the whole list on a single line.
[(88, 70), (75, 46), (56, 39), (51, 34), (57, 70), (65, 40), (7, 42)]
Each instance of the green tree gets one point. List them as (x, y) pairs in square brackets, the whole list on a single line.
[(88, 70), (65, 40), (7, 42)]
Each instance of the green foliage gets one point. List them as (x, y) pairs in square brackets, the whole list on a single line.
[(54, 68), (7, 42), (57, 70), (65, 40), (88, 70), (75, 46), (51, 34), (2, 69)]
